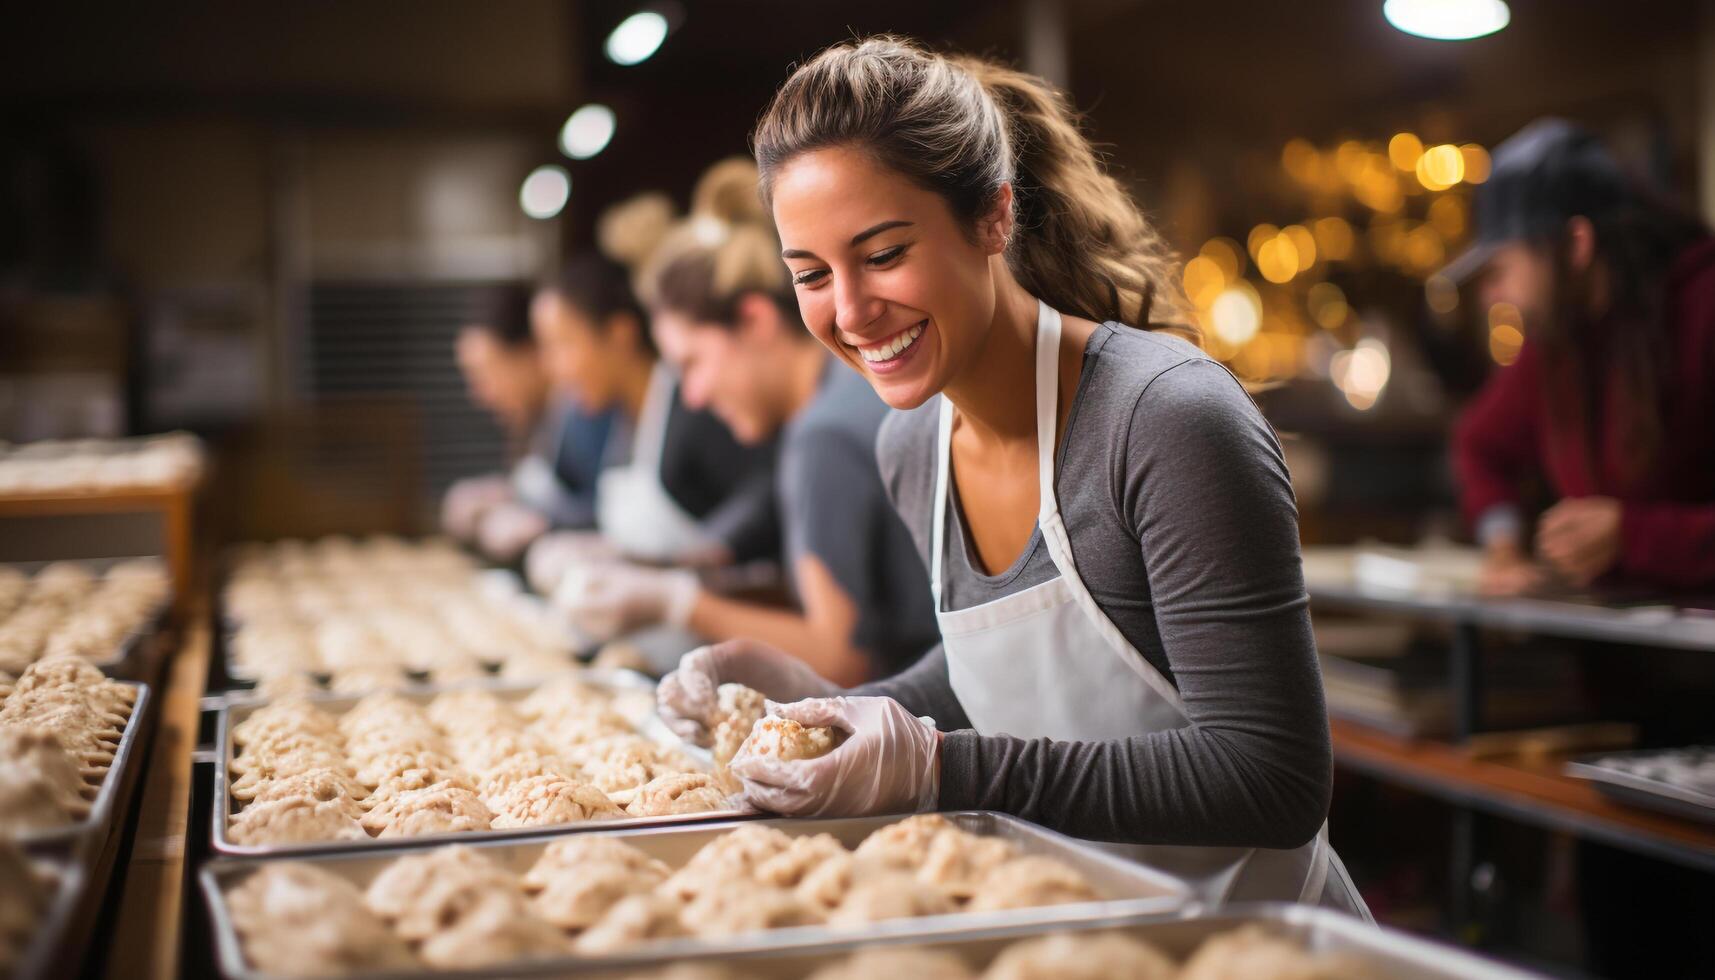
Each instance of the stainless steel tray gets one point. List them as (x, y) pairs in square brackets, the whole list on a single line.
[(63, 929), (238, 707), (1644, 791), (1393, 954), (1129, 889), (116, 786)]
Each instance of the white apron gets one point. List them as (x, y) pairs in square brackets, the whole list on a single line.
[(1048, 663), (633, 509)]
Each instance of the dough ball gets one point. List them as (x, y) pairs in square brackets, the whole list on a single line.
[(1028, 882), (1081, 956), (787, 740)]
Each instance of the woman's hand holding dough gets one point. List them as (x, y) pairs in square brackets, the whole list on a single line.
[(890, 762)]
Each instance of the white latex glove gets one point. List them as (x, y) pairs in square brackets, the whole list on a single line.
[(890, 762), (603, 601), (466, 501), (507, 528), (548, 559), (686, 698)]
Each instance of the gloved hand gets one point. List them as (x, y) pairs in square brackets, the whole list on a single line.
[(890, 762), (507, 528), (686, 698), (548, 559), (466, 501), (603, 601)]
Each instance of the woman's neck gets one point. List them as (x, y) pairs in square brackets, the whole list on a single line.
[(993, 394)]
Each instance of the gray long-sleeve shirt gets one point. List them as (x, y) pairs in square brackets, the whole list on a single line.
[(1182, 523)]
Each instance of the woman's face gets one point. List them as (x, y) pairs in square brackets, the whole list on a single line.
[(505, 381), (722, 370), (575, 354), (885, 275)]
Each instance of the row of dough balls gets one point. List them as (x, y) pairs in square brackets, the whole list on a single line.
[(594, 895), (26, 891), (66, 609), (1250, 952), (469, 760), (59, 727), (62, 466), (522, 665)]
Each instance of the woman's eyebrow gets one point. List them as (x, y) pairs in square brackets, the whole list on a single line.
[(857, 239)]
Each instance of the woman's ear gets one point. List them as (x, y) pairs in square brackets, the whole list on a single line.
[(994, 228), (758, 318)]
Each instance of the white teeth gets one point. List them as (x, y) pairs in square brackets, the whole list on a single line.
[(893, 348)]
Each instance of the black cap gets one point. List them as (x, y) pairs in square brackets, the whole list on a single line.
[(1539, 178)]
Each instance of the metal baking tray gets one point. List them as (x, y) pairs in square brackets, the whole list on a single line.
[(1644, 791), (61, 932), (1392, 954), (88, 834), (238, 708), (1130, 889), (129, 659)]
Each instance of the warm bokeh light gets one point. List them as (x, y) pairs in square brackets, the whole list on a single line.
[(1327, 305), (1333, 238), (1403, 151), (1236, 314), (1259, 235), (1506, 333), (1447, 214), (1227, 254), (1204, 279), (1476, 163), (1440, 167), (1362, 372), (545, 192), (1424, 249), (1277, 259), (1303, 243)]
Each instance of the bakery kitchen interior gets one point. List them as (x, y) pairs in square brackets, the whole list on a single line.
[(680, 490)]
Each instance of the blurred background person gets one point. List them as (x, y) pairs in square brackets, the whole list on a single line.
[(1611, 401), (723, 311), (675, 486), (557, 446)]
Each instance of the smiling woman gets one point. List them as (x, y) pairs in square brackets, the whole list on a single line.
[(1106, 517)]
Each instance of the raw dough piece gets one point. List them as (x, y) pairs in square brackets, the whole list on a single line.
[(739, 906), (958, 862), (296, 919), (891, 895), (1252, 953), (322, 785), (1084, 956), (439, 809), (894, 963), (423, 893), (1027, 882), (680, 793), (632, 922), (578, 898), (576, 852), (499, 928), (547, 800), (787, 740), (788, 868), (906, 843), (294, 820), (737, 710)]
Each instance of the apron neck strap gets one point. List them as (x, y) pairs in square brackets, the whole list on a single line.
[(1047, 405), (1047, 419)]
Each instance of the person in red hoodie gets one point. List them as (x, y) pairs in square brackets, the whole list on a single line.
[(1610, 405)]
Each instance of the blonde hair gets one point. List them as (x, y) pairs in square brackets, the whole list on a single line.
[(964, 127), (724, 250)]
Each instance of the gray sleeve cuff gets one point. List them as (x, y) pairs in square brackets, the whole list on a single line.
[(1502, 521), (960, 769)]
